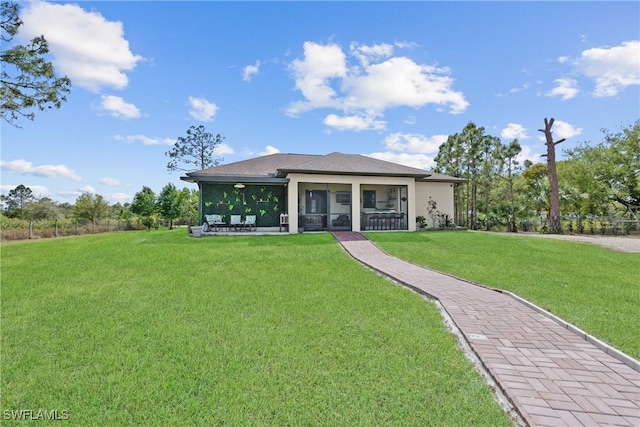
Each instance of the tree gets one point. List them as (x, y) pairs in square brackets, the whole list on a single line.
[(171, 203), (449, 161), (490, 168), (537, 188), (191, 205), (91, 207), (144, 205), (614, 165), (508, 155), (16, 201), (27, 80), (43, 208), (555, 219), (197, 149), (463, 153)]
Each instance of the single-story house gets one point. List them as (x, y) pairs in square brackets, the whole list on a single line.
[(323, 192)]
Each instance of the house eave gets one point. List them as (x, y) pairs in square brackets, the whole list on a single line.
[(212, 179), (285, 172)]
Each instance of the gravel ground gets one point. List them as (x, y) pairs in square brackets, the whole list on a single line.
[(618, 243)]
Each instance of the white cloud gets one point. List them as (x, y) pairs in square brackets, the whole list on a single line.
[(406, 45), (566, 88), (119, 197), (201, 109), (24, 167), (414, 143), (88, 189), (108, 181), (420, 161), (366, 54), (522, 88), (117, 107), (250, 70), (514, 131), (561, 130), (223, 149), (410, 120), (145, 140), (357, 123), (312, 74), (401, 82), (529, 153), (86, 47), (269, 149), (612, 68), (375, 82), (565, 130)]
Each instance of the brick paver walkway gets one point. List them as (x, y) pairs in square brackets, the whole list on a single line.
[(553, 376)]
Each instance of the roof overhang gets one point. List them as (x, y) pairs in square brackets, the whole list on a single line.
[(449, 179), (212, 179), (285, 172)]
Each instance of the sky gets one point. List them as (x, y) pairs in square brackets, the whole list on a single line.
[(391, 80)]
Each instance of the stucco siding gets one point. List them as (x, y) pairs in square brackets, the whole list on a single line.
[(440, 192)]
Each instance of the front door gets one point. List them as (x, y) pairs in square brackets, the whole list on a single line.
[(315, 217)]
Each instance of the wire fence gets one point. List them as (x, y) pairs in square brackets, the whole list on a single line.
[(15, 229), (606, 226)]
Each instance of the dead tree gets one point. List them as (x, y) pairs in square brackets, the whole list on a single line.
[(555, 220)]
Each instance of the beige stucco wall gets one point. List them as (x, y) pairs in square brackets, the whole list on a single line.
[(441, 192)]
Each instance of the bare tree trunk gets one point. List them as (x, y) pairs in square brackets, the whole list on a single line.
[(513, 227), (486, 205), (555, 223), (474, 203)]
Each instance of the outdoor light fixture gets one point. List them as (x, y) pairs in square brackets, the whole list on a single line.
[(239, 185)]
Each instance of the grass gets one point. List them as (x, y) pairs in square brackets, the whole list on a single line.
[(594, 288), (156, 328)]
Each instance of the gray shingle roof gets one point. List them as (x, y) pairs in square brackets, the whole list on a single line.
[(265, 166), (278, 165), (351, 164)]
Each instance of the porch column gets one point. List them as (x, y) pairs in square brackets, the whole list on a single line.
[(411, 204), (199, 221), (355, 206), (292, 203)]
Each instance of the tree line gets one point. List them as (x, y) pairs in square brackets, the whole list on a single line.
[(595, 180), (171, 205)]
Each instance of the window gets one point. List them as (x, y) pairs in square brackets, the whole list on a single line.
[(368, 199), (343, 198)]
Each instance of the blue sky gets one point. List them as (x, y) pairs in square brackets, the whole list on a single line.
[(387, 79)]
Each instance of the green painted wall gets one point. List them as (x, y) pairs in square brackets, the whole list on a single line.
[(267, 202)]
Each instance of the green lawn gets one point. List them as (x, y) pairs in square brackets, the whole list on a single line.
[(594, 288), (156, 328)]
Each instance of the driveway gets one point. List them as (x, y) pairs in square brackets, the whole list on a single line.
[(617, 243)]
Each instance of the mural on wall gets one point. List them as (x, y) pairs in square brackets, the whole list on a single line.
[(264, 201)]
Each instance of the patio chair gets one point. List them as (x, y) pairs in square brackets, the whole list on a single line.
[(214, 222), (250, 222), (341, 221), (235, 221)]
